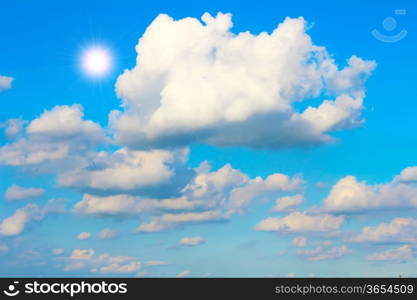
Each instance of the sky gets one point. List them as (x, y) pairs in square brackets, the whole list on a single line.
[(208, 139)]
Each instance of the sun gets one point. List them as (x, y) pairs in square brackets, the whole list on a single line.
[(96, 61)]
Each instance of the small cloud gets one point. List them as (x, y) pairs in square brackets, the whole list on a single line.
[(16, 192), (184, 273), (82, 254), (192, 241), (5, 83), (83, 236)]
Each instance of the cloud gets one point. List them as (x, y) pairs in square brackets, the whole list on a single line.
[(103, 264), (127, 171), (192, 241), (208, 196), (16, 192), (321, 253), (248, 81), (5, 83), (169, 221), (399, 230), (300, 222), (83, 236), (16, 223), (402, 254), (258, 188), (82, 254), (116, 268), (288, 203), (55, 135), (106, 234), (350, 195), (299, 241), (184, 273), (154, 263)]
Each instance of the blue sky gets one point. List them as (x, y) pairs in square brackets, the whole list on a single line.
[(294, 182)]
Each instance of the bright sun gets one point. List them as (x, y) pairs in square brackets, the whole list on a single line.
[(96, 61)]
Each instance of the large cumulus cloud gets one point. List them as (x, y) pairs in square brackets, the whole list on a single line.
[(200, 83)]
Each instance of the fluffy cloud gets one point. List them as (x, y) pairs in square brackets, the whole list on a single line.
[(82, 254), (210, 196), (300, 222), (127, 171), (402, 254), (16, 223), (288, 203), (349, 195), (103, 264), (192, 241), (83, 236), (299, 241), (258, 188), (321, 253), (55, 135), (106, 234), (248, 81), (399, 230), (5, 83), (16, 192)]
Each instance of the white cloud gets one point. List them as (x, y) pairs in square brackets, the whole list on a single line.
[(288, 203), (128, 171), (16, 223), (56, 134), (321, 253), (349, 195), (299, 241), (16, 192), (401, 254), (116, 268), (82, 254), (106, 234), (192, 241), (399, 230), (184, 273), (83, 236), (154, 263), (5, 83), (258, 188), (249, 82), (300, 222), (409, 174), (210, 196), (167, 221), (103, 264)]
